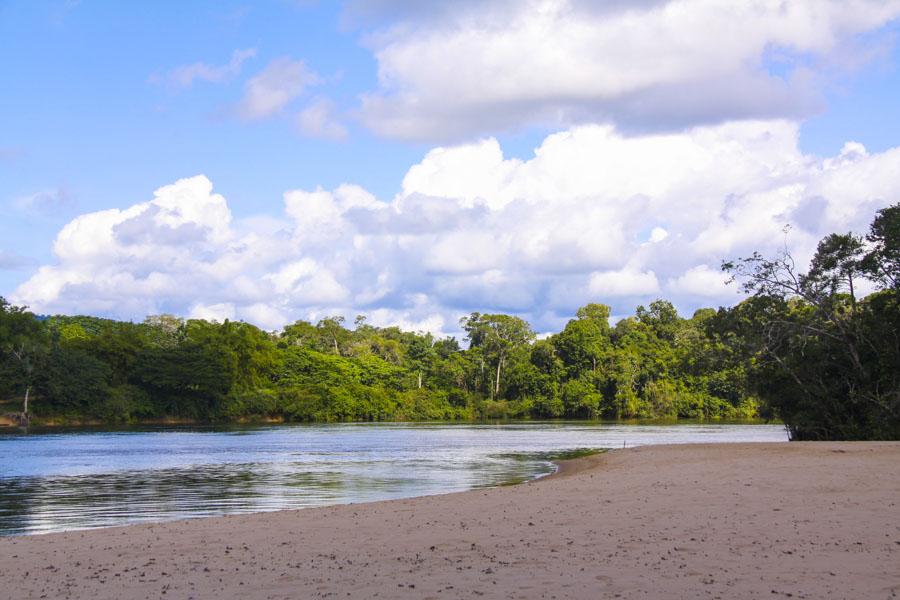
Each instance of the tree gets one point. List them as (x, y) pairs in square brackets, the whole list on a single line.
[(116, 344), (834, 267), (499, 336), (191, 380), (421, 356), (825, 363), (299, 333), (251, 352), (585, 341), (164, 331), (882, 262), (661, 317), (581, 398), (73, 382), (332, 329), (23, 343)]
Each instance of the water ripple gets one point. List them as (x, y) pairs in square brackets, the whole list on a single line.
[(86, 478)]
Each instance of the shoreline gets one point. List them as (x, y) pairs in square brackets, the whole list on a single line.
[(561, 467), (39, 426), (729, 520)]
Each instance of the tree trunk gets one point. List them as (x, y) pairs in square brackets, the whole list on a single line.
[(497, 383), (480, 384), (25, 405), (420, 380)]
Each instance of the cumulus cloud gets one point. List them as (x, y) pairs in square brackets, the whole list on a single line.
[(272, 89), (701, 281), (184, 76), (626, 282), (593, 216), (451, 71), (215, 312)]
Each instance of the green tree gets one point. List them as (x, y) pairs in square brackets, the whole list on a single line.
[(331, 330), (585, 342), (23, 346), (73, 382), (421, 356), (191, 380), (300, 333), (835, 266), (824, 363), (500, 337), (661, 317), (882, 262)]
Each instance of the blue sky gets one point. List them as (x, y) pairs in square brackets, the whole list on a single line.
[(98, 110), (81, 114)]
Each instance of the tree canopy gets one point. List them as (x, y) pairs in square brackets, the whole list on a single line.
[(824, 361)]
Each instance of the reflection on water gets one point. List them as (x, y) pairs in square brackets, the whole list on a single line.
[(82, 479)]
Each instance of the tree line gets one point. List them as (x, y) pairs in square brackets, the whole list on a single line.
[(802, 347)]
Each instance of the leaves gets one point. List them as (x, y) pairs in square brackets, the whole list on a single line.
[(824, 362)]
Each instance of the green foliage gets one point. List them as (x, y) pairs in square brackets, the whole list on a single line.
[(824, 362), (74, 380), (581, 399), (23, 347), (501, 339), (256, 403), (652, 365), (585, 342), (882, 263), (191, 380)]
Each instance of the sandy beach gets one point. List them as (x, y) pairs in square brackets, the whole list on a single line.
[(699, 521)]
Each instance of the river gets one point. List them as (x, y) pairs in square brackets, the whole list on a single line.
[(77, 479)]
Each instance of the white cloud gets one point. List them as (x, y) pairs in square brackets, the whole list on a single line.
[(432, 323), (460, 70), (184, 76), (701, 281), (270, 91), (214, 312), (317, 120), (627, 282), (593, 216)]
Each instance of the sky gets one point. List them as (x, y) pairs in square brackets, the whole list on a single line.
[(415, 162)]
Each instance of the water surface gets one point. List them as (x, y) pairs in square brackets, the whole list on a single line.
[(86, 478)]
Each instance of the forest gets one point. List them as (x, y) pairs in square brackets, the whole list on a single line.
[(806, 348)]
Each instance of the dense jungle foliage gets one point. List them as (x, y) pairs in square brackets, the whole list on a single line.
[(801, 347)]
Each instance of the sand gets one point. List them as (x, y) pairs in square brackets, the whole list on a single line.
[(699, 521)]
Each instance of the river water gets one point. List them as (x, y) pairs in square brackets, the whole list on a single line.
[(87, 478)]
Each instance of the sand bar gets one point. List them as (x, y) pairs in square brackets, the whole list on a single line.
[(698, 521)]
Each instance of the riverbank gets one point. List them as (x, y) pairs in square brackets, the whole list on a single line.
[(9, 423), (729, 520)]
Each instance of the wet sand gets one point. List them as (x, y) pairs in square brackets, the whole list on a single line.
[(698, 521)]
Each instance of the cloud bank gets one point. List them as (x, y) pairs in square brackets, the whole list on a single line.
[(451, 71), (593, 216)]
